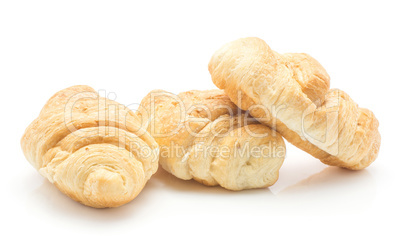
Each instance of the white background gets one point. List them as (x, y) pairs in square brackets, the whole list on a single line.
[(131, 48)]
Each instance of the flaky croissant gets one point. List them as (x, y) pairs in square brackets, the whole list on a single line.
[(203, 136), (290, 93), (92, 148)]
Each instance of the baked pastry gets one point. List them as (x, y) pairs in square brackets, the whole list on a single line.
[(204, 136), (290, 93), (92, 148)]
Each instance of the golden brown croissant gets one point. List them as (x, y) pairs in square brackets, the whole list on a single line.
[(203, 136), (290, 93), (91, 148)]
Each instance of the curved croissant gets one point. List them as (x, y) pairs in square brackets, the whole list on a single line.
[(91, 148), (290, 93), (203, 136)]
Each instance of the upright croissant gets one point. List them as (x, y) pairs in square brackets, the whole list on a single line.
[(92, 148), (204, 136), (290, 93)]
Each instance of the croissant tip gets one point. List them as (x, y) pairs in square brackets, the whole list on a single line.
[(105, 188)]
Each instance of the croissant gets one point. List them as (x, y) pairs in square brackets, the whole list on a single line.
[(290, 93), (204, 136), (91, 148)]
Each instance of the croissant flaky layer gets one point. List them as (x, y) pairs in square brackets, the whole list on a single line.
[(290, 93), (204, 136), (92, 148)]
